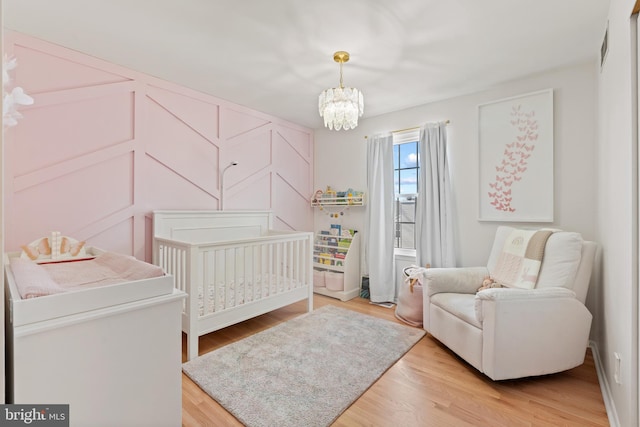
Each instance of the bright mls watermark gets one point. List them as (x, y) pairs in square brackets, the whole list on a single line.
[(34, 415)]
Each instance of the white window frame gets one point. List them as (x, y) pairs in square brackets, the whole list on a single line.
[(399, 138)]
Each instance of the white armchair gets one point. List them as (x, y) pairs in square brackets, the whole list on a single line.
[(510, 332)]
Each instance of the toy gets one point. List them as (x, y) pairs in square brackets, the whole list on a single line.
[(488, 283), (54, 248), (316, 196)]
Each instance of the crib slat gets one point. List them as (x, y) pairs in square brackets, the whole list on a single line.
[(289, 265), (255, 260), (299, 251), (209, 268), (262, 271)]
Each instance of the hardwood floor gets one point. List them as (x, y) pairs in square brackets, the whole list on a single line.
[(428, 386)]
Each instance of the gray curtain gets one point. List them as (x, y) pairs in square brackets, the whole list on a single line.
[(379, 218), (434, 215)]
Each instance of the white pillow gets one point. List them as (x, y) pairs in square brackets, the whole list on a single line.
[(561, 260)]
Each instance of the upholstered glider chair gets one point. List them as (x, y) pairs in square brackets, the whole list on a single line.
[(536, 325)]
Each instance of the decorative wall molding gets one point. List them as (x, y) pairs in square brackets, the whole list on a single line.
[(104, 146)]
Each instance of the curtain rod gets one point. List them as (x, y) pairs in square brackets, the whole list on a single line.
[(446, 122)]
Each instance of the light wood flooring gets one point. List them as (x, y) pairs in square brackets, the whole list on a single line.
[(428, 386)]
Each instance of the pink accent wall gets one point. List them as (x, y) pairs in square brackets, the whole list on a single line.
[(103, 146)]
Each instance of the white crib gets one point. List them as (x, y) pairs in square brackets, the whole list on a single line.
[(232, 266)]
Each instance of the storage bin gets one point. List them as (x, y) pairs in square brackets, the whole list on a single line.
[(334, 281), (409, 307), (318, 279)]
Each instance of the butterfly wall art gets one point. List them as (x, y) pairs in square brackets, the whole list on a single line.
[(515, 142)]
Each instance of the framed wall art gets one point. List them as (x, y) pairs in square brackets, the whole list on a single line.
[(515, 146)]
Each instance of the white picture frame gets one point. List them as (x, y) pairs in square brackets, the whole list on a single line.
[(515, 155)]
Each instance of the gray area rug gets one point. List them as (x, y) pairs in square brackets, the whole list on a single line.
[(304, 372)]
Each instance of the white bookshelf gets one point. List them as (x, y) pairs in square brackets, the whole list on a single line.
[(338, 254)]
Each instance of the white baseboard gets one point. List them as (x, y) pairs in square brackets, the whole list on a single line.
[(609, 404)]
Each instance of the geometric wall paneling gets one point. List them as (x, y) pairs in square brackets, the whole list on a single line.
[(252, 193), (234, 122), (298, 139), (181, 148), (291, 166), (72, 201), (107, 228), (103, 146), (200, 115), (163, 188), (52, 134), (280, 225), (117, 237), (19, 182), (288, 202), (61, 73), (252, 152)]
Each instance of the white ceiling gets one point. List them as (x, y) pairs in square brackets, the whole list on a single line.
[(277, 56)]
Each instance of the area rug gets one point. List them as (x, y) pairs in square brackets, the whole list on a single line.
[(303, 372)]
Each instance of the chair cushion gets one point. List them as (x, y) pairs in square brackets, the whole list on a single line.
[(560, 261), (459, 305)]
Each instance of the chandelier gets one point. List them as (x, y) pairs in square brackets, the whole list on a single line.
[(341, 106)]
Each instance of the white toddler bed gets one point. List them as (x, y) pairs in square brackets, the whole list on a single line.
[(232, 266)]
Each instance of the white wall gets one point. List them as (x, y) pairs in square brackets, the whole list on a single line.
[(617, 216), (341, 156)]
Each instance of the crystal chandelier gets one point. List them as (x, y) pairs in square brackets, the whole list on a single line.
[(341, 106)]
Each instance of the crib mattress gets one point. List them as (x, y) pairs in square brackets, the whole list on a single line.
[(33, 310), (223, 295)]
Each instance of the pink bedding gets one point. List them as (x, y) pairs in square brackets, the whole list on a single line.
[(109, 268), (32, 280)]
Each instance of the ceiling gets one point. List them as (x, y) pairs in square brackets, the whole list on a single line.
[(277, 56)]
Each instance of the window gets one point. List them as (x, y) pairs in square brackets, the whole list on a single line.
[(406, 164)]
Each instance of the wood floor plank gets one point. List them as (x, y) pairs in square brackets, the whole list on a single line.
[(428, 386)]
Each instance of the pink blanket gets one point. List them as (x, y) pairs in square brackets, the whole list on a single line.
[(519, 262), (32, 280), (109, 268)]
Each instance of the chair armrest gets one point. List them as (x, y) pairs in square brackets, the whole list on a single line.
[(464, 280), (530, 332), (516, 293)]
